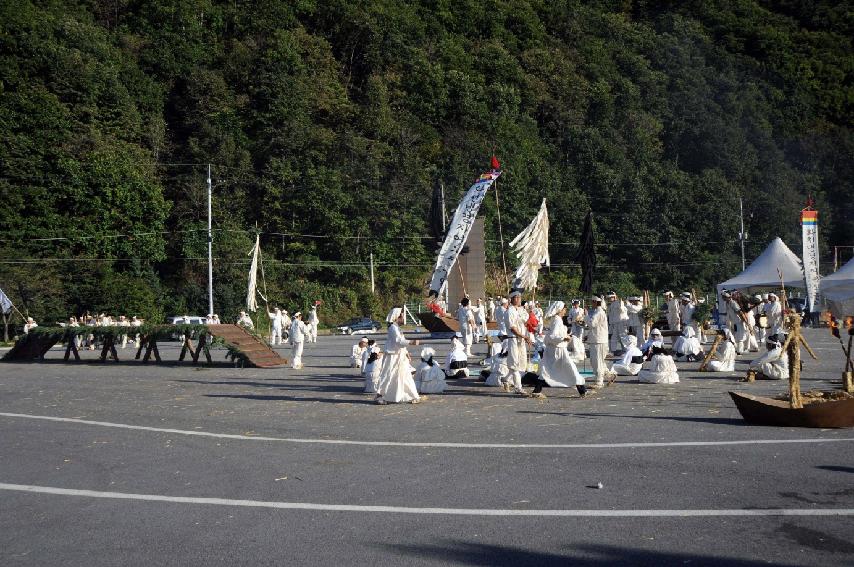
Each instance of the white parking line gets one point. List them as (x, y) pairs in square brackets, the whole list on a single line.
[(429, 444), (437, 511)]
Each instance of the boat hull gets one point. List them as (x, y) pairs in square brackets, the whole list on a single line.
[(768, 411)]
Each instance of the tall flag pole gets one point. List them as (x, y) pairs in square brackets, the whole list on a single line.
[(809, 227)]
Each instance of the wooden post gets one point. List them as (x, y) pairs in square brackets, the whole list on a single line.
[(71, 348), (848, 375), (188, 347), (143, 341), (711, 354)]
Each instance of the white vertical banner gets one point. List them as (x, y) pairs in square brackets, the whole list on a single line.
[(459, 231), (809, 226)]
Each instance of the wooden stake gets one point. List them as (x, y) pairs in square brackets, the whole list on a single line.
[(718, 339), (794, 345)]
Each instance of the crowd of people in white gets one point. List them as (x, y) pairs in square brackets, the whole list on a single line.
[(533, 347)]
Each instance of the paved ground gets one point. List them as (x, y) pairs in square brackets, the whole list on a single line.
[(175, 465)]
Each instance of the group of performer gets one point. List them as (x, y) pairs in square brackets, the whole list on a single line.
[(543, 349), (292, 329)]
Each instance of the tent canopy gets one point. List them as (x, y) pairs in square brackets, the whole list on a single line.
[(762, 272), (839, 284)]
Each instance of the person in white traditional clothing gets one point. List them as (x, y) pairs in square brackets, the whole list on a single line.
[(538, 313), (774, 312), (759, 320), (312, 324), (396, 383), (662, 369), (467, 324), (501, 316), (456, 363), (479, 311), (636, 326), (297, 336), (687, 347), (517, 343), (275, 326), (429, 377), (491, 305), (725, 354), (618, 318), (774, 364), (686, 312), (123, 322), (672, 314), (575, 320), (557, 370), (734, 321), (371, 366), (245, 321), (286, 326), (597, 339), (632, 361), (29, 325), (751, 326), (358, 350)]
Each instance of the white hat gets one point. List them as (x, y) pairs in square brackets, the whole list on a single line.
[(458, 335), (670, 293), (774, 295), (427, 353), (393, 314), (297, 314), (554, 309), (757, 297), (725, 294), (656, 333), (364, 339), (514, 293), (685, 295), (505, 300), (634, 298), (629, 341), (596, 298), (611, 295)]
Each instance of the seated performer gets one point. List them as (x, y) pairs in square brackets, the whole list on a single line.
[(725, 354), (557, 370), (372, 364), (497, 372), (456, 363), (358, 350), (429, 378), (662, 369), (632, 361), (774, 364), (687, 347)]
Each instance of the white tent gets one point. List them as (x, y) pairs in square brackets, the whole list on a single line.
[(838, 289), (763, 271)]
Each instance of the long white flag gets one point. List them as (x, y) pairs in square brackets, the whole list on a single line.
[(532, 249), (251, 302), (809, 224), (459, 231), (5, 302)]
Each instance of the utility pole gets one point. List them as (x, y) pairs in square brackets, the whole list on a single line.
[(372, 272), (741, 235), (210, 247)]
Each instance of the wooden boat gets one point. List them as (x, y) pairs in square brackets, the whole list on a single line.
[(445, 323), (768, 411)]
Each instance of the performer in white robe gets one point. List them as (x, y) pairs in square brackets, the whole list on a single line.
[(429, 377), (774, 312), (372, 360), (636, 326), (499, 373), (686, 313), (538, 313), (687, 347), (286, 326), (576, 321), (774, 364), (479, 321), (672, 314), (123, 322), (29, 325), (275, 326), (725, 355), (632, 361), (751, 326), (734, 321), (357, 352), (597, 339), (245, 321), (298, 333), (396, 383), (618, 319), (467, 324), (491, 305), (662, 369), (518, 342), (312, 324), (456, 363), (557, 370), (762, 319)]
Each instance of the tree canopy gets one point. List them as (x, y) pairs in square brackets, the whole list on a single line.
[(329, 123)]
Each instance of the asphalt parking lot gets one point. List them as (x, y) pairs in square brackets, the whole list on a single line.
[(124, 463)]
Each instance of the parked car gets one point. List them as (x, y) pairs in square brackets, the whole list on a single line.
[(359, 325)]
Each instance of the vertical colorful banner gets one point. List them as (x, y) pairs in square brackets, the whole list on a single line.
[(809, 225)]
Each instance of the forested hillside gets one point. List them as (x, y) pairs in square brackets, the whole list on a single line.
[(328, 124)]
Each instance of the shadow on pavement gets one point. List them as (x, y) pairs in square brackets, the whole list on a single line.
[(291, 399), (715, 420), (836, 468), (465, 553)]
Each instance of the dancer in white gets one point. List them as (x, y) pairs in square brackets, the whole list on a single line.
[(358, 351), (517, 343), (662, 369), (456, 363), (298, 333), (429, 378), (636, 327), (396, 383), (774, 364), (725, 355), (687, 347), (672, 313), (597, 339), (372, 360), (618, 318), (557, 370), (632, 361), (275, 326), (479, 311), (467, 324), (312, 324)]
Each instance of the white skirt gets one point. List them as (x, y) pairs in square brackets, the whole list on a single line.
[(557, 368), (430, 379), (662, 370), (396, 383)]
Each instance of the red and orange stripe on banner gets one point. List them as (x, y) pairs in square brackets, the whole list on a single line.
[(809, 217)]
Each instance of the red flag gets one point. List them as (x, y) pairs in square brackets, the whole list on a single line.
[(496, 165)]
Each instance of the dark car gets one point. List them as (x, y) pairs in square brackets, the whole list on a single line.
[(359, 325)]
